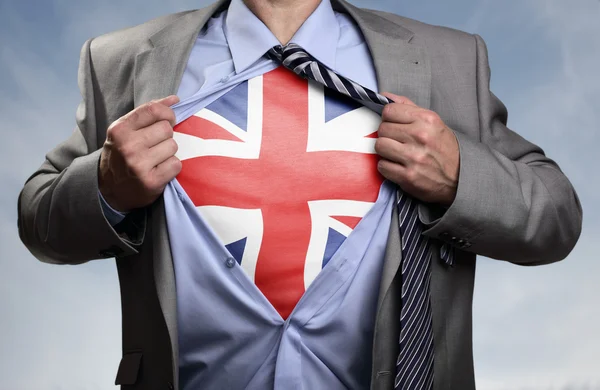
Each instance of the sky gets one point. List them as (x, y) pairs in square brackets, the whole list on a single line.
[(534, 328)]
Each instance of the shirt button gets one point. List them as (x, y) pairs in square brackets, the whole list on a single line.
[(225, 79), (230, 262)]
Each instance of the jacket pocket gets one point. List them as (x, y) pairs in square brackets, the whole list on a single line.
[(129, 368)]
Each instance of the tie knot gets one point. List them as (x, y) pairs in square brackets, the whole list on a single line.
[(278, 49), (276, 53), (288, 52), (292, 57)]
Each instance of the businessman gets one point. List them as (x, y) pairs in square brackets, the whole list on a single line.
[(295, 193)]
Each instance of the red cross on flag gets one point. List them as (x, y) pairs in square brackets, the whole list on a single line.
[(282, 171)]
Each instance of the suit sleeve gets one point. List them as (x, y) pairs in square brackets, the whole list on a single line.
[(60, 218), (513, 203)]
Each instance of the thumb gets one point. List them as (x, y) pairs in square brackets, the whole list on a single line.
[(399, 99), (169, 100)]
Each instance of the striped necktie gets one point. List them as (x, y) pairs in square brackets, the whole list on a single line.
[(414, 367)]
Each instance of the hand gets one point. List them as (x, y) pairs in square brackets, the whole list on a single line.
[(138, 158), (418, 151)]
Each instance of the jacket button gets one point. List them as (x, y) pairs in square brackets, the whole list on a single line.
[(170, 386)]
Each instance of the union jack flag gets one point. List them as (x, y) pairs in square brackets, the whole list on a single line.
[(282, 171)]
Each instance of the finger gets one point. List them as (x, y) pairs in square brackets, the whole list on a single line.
[(400, 113), (168, 170), (161, 153), (393, 171), (392, 150), (155, 133), (150, 113), (169, 100), (399, 132), (399, 99)]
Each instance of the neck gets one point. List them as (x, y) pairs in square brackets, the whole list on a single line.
[(283, 17)]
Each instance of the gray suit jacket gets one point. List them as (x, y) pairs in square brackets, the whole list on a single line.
[(513, 202)]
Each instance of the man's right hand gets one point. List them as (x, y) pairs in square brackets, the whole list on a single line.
[(138, 157)]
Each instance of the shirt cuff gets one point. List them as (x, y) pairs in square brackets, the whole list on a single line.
[(430, 214), (113, 216)]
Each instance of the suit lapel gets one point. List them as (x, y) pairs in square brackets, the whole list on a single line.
[(158, 71), (402, 68)]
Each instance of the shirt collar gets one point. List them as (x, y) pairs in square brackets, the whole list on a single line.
[(249, 38)]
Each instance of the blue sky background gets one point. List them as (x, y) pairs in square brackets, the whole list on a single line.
[(534, 328)]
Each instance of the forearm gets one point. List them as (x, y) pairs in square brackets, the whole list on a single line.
[(523, 212), (513, 203), (61, 220)]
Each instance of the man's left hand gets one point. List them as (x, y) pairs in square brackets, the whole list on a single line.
[(418, 151)]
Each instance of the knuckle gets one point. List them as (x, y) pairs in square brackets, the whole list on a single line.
[(177, 165), (410, 175), (151, 108), (170, 114), (378, 145), (419, 157), (423, 137), (116, 129), (385, 167), (387, 111), (160, 130), (173, 146), (112, 132), (381, 166), (384, 129), (167, 130), (405, 100), (429, 117), (132, 117)]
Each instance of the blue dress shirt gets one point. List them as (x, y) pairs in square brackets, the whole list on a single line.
[(230, 336)]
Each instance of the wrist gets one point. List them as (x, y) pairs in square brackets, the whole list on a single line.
[(111, 201)]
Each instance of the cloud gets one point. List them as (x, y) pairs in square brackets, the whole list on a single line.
[(563, 111), (60, 325), (537, 328)]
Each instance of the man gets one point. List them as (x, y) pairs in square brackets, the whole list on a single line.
[(277, 231)]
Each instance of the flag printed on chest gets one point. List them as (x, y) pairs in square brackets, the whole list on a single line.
[(283, 171)]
